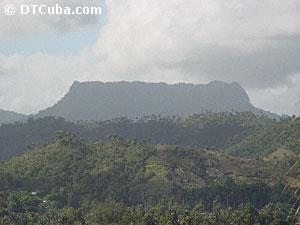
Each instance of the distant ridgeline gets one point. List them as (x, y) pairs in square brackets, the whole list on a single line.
[(224, 120), (241, 134), (97, 101), (105, 101), (74, 164), (10, 117)]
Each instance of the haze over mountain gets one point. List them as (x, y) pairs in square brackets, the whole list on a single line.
[(10, 117), (104, 101), (298, 107)]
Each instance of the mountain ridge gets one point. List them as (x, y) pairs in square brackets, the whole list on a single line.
[(96, 100), (10, 116)]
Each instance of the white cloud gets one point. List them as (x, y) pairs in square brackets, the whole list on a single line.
[(202, 38), (284, 99), (17, 26), (30, 83)]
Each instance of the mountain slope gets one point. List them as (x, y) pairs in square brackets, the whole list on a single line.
[(10, 117), (67, 174), (67, 182), (104, 101), (128, 165), (281, 134), (210, 130)]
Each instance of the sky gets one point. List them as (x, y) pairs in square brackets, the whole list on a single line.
[(253, 42)]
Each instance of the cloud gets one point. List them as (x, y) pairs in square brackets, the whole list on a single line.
[(282, 99), (246, 41), (31, 83), (18, 26), (254, 42)]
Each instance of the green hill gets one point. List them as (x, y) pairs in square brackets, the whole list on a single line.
[(282, 134), (218, 131), (126, 182)]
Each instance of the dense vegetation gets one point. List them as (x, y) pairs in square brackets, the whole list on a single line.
[(211, 169), (240, 134), (282, 134), (123, 182)]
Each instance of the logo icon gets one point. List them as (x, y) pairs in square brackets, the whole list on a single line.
[(10, 10)]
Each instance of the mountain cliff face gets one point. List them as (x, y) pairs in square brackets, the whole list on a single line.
[(10, 117), (104, 101)]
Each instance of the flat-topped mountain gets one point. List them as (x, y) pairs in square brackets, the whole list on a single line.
[(104, 101), (10, 117)]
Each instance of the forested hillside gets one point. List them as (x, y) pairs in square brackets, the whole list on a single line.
[(282, 134), (128, 182), (241, 134)]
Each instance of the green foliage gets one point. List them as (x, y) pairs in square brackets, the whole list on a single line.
[(126, 182), (175, 171), (280, 134), (237, 133)]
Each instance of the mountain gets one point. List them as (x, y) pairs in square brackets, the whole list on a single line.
[(10, 117), (104, 101), (297, 106)]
